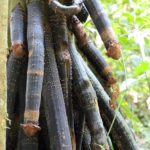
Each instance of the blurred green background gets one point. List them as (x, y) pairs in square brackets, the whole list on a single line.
[(131, 21)]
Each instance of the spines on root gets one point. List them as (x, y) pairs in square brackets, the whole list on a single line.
[(14, 65), (88, 100), (91, 52), (54, 101), (64, 63), (120, 132), (43, 139)]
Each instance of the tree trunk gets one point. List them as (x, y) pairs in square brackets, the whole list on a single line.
[(42, 55)]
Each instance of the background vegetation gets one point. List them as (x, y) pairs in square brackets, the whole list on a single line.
[(131, 21)]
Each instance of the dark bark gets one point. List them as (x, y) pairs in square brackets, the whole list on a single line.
[(44, 139), (86, 139), (60, 39), (83, 14), (88, 48), (24, 142), (104, 28), (18, 27), (35, 67), (12, 130), (15, 60), (120, 134), (27, 142), (13, 71), (14, 65), (57, 85), (54, 101), (79, 128), (88, 100)]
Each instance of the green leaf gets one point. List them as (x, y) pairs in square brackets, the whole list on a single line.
[(142, 68)]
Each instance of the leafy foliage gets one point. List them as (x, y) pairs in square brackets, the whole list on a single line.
[(130, 20)]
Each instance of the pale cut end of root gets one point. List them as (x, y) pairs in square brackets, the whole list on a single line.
[(17, 49), (114, 50), (30, 129)]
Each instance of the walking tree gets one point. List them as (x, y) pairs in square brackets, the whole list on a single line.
[(54, 100)]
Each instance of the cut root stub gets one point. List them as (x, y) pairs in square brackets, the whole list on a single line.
[(114, 50), (30, 129), (17, 49), (111, 81)]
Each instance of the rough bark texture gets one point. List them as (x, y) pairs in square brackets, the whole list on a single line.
[(104, 28), (79, 128), (58, 24), (44, 138), (54, 101), (83, 14), (88, 48), (24, 142), (86, 139), (25, 80), (88, 103), (35, 67), (121, 135), (14, 65)]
